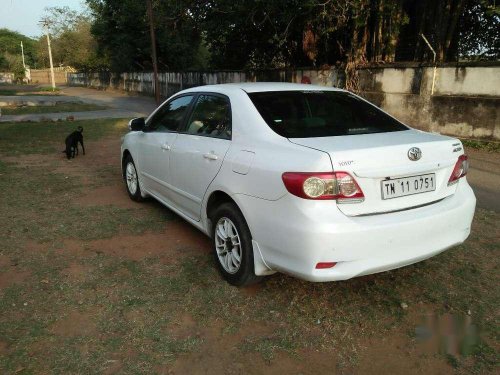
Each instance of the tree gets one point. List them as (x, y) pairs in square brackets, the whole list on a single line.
[(244, 34), (249, 34), (72, 41), (14, 64), (280, 33), (122, 34), (293, 33), (479, 30), (447, 24), (179, 37), (10, 49)]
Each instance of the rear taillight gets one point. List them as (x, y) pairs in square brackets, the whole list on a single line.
[(460, 170), (323, 185)]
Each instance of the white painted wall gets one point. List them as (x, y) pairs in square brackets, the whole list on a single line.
[(394, 81), (6, 78), (468, 81)]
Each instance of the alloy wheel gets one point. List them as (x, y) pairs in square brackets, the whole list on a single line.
[(131, 176), (228, 245)]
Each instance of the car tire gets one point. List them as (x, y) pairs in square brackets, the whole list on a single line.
[(235, 262), (131, 179)]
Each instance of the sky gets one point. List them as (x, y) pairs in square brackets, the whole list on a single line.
[(23, 15)]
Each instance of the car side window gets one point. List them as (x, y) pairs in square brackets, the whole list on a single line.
[(211, 117), (169, 117)]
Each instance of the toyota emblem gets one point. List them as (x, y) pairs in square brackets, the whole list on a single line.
[(414, 153)]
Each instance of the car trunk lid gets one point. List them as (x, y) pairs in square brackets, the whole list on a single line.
[(374, 158)]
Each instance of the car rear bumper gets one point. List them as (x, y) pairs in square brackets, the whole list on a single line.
[(294, 234)]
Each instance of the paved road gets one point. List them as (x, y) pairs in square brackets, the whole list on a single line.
[(139, 104), (120, 105), (484, 177)]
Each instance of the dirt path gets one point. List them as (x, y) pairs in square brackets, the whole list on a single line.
[(120, 105), (124, 300), (113, 99), (219, 352), (484, 177)]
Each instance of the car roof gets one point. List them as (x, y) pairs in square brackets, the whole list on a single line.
[(251, 87)]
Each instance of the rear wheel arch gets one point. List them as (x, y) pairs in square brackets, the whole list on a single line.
[(217, 198)]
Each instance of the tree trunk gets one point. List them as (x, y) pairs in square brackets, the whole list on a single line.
[(452, 25), (393, 32), (380, 20), (420, 14)]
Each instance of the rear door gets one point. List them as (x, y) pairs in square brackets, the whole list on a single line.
[(198, 152), (156, 143)]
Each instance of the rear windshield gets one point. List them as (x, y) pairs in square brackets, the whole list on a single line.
[(307, 114)]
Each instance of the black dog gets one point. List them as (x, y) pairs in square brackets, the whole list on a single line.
[(72, 141)]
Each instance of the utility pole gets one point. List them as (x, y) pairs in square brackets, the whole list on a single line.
[(153, 51), (24, 65), (22, 54), (433, 61), (45, 23)]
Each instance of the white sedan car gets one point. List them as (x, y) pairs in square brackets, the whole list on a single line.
[(311, 181)]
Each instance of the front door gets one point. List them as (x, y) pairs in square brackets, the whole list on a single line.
[(198, 152), (156, 143)]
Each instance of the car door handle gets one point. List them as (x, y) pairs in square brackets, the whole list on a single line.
[(210, 156), (165, 147)]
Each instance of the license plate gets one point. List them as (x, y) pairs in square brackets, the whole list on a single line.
[(401, 187)]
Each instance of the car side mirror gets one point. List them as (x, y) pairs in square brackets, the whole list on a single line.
[(137, 124)]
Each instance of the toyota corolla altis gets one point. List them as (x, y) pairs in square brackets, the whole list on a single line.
[(311, 181)]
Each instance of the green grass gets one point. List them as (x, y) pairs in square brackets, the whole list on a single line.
[(122, 310), (39, 138), (58, 108), (26, 92), (8, 92), (48, 89), (490, 146)]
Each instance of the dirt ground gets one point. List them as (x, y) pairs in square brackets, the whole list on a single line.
[(147, 296)]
